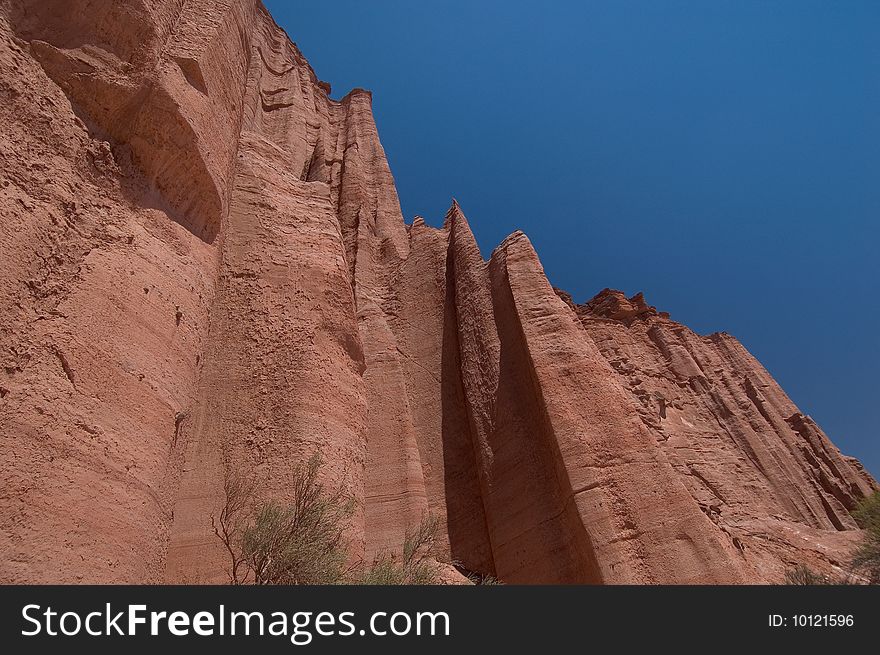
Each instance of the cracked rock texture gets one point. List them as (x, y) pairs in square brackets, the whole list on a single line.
[(206, 270)]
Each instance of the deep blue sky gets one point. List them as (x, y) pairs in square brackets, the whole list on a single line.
[(722, 157)]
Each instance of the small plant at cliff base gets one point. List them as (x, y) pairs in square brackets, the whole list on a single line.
[(802, 575), (227, 526), (298, 542), (416, 567), (477, 579), (866, 560)]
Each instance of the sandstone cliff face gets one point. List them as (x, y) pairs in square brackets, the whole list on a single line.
[(206, 270), (763, 472)]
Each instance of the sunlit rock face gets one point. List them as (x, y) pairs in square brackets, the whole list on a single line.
[(206, 271)]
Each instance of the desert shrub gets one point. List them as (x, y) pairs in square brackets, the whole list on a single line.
[(802, 575), (297, 542), (867, 514), (416, 566), (866, 560), (303, 541), (228, 526)]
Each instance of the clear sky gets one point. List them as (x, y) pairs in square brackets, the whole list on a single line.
[(721, 157)]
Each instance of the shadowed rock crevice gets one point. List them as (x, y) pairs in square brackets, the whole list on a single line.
[(467, 526)]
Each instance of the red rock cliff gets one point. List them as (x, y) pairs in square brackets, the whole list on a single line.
[(206, 269)]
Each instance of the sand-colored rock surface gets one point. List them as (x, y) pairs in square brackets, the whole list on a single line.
[(205, 271), (764, 473)]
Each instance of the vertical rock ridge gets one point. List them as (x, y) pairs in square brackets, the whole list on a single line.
[(106, 285), (633, 516), (283, 339)]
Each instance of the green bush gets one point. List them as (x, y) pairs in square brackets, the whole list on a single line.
[(866, 560), (303, 541), (416, 566), (298, 542), (802, 575)]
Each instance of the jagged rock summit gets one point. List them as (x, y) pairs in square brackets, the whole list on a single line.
[(205, 270)]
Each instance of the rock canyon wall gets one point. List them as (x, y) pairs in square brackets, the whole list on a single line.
[(205, 270)]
